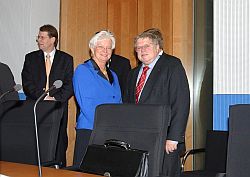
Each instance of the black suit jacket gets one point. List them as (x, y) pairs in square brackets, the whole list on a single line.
[(121, 66), (7, 83), (168, 85), (34, 75), (34, 83)]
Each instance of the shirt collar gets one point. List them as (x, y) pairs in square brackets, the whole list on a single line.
[(151, 65), (51, 54)]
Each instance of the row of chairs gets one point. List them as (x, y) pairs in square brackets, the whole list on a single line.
[(226, 154), (144, 127)]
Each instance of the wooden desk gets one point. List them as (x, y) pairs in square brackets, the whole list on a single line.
[(24, 170)]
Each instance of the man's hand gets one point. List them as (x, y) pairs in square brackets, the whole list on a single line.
[(171, 146)]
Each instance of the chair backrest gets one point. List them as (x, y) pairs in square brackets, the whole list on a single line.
[(238, 160), (17, 131), (216, 151), (144, 127)]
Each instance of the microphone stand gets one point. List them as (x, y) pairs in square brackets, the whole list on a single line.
[(37, 140), (57, 84), (16, 88), (36, 131)]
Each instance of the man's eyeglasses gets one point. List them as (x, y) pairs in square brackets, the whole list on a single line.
[(144, 47), (41, 37)]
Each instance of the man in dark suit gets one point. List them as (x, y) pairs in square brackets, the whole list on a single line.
[(161, 79), (7, 83), (121, 66), (41, 69)]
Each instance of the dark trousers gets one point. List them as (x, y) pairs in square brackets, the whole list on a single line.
[(81, 144), (172, 163), (62, 143)]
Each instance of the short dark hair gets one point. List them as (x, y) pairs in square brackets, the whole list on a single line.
[(52, 32)]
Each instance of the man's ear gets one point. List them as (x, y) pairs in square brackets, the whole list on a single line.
[(158, 47), (53, 40)]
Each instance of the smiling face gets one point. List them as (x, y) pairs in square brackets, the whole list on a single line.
[(102, 51), (44, 42), (146, 50)]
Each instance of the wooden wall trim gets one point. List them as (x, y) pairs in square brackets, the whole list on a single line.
[(183, 49)]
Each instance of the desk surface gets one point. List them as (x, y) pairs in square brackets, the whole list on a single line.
[(24, 170)]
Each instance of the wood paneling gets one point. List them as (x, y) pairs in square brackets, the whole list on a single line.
[(183, 49), (80, 19), (157, 14), (123, 22)]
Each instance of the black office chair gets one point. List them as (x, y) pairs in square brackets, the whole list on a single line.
[(144, 127), (238, 160), (215, 155), (17, 132)]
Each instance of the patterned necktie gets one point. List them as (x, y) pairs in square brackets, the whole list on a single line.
[(48, 68), (141, 83)]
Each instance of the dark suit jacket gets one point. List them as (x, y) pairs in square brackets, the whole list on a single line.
[(34, 83), (7, 83), (121, 66), (168, 85), (34, 75)]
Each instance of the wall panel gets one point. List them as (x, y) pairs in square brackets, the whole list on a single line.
[(20, 21), (183, 49), (231, 58), (158, 14), (80, 19), (123, 22)]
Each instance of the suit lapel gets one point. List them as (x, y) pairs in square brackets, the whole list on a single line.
[(55, 63), (154, 75), (41, 64), (55, 67)]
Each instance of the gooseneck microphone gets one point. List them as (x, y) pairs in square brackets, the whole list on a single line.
[(16, 88), (57, 84)]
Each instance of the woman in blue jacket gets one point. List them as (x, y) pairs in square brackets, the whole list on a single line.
[(94, 84)]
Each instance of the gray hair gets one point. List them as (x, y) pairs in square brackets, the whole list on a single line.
[(105, 34), (154, 34)]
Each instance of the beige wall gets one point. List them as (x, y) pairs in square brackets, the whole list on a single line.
[(80, 19)]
